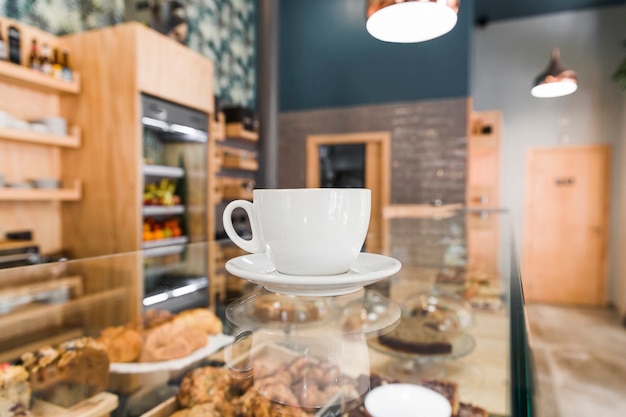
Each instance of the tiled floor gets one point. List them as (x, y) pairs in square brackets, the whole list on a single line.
[(580, 361)]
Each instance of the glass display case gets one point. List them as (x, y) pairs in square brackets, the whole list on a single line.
[(454, 314)]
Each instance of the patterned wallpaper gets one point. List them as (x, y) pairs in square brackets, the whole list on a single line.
[(64, 16), (222, 30), (225, 32)]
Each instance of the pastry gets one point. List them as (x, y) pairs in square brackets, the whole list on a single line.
[(203, 385), (201, 318), (15, 391), (122, 343), (154, 317), (171, 340), (72, 372), (296, 388), (410, 336), (274, 308)]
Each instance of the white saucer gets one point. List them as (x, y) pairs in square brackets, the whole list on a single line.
[(367, 269)]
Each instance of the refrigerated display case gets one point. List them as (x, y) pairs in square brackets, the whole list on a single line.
[(174, 173)]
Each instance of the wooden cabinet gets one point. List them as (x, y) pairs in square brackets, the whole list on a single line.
[(27, 154), (124, 62), (483, 160)]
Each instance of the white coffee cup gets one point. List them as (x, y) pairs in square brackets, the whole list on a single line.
[(306, 231)]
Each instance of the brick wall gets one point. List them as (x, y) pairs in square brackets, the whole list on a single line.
[(428, 147)]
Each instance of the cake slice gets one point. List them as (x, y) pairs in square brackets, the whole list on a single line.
[(410, 336)]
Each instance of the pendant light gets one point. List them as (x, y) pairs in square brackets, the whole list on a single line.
[(555, 81), (407, 21)]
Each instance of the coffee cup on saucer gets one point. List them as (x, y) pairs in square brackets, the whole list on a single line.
[(306, 231)]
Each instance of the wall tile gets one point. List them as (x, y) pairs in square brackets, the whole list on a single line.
[(428, 145)]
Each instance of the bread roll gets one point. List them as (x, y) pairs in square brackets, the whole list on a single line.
[(200, 318), (122, 343), (171, 340), (154, 317)]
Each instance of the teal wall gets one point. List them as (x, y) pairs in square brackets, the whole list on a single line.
[(327, 59)]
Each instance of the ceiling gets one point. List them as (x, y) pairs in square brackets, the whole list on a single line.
[(492, 10)]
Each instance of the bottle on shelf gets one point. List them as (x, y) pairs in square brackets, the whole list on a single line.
[(44, 61), (66, 71), (33, 58), (4, 54), (15, 55), (57, 68)]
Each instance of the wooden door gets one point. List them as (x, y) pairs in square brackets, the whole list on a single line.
[(565, 225), (377, 172)]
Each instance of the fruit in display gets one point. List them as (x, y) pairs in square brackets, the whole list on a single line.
[(161, 194), (154, 229)]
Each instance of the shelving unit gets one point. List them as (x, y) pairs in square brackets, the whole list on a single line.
[(27, 154), (237, 164), (111, 121)]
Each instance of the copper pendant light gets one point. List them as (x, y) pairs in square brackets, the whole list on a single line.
[(555, 81), (408, 21)]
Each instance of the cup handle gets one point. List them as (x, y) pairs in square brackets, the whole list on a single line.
[(256, 244)]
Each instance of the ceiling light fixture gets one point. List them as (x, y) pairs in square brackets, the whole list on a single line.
[(408, 21), (555, 81)]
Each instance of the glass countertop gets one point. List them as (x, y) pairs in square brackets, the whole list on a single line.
[(454, 312)]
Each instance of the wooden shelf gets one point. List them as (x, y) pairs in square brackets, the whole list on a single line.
[(22, 135), (233, 158), (164, 250), (152, 244), (20, 75), (163, 210), (10, 322), (39, 291), (236, 188), (40, 194), (236, 131), (163, 171)]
